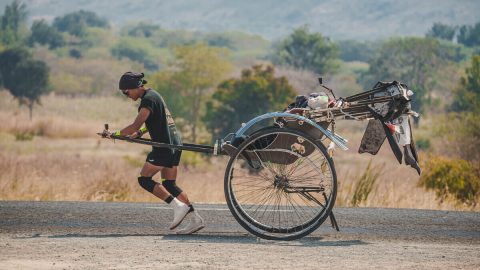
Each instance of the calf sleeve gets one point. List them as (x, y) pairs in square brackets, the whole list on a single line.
[(171, 187), (147, 183)]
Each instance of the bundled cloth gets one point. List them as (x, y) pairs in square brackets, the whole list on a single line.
[(392, 123)]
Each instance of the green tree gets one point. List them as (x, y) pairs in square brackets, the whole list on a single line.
[(352, 50), (188, 81), (409, 60), (459, 134), (442, 31), (306, 50), (25, 78), (469, 35), (467, 97), (236, 101), (44, 34), (137, 50), (141, 29), (12, 22), (76, 23)]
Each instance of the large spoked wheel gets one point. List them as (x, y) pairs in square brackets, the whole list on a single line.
[(280, 184)]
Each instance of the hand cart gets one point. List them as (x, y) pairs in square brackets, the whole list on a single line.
[(280, 182)]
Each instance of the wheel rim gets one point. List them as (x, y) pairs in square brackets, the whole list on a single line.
[(284, 187)]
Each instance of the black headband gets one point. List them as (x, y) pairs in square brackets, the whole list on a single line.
[(131, 80)]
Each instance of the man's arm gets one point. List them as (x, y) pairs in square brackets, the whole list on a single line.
[(137, 124)]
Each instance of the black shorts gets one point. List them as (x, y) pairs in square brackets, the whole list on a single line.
[(164, 157)]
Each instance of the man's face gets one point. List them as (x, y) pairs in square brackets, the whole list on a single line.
[(132, 93)]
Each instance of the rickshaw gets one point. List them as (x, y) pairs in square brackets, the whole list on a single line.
[(280, 181)]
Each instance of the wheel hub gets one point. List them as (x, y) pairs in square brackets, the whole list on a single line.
[(280, 182)]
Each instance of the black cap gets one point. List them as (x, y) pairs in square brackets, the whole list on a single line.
[(131, 80)]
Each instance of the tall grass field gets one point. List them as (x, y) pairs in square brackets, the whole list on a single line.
[(57, 155)]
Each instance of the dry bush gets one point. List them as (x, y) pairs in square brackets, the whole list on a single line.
[(397, 187), (458, 135), (452, 178), (364, 184)]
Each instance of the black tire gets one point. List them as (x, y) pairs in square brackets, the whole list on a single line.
[(262, 175)]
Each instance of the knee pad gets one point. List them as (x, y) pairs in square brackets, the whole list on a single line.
[(171, 187), (147, 183)]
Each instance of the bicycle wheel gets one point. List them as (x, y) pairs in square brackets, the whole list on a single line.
[(280, 184)]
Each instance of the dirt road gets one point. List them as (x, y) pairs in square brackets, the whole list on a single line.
[(86, 235)]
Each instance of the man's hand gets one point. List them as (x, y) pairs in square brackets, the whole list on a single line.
[(107, 134), (134, 135)]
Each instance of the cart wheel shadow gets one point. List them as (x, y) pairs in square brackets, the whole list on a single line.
[(249, 239)]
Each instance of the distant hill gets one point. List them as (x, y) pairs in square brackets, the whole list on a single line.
[(338, 19)]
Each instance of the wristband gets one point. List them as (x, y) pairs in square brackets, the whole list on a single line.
[(143, 130)]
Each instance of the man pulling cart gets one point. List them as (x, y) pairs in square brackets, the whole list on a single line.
[(280, 182)]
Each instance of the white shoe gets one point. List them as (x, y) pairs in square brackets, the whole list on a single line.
[(195, 225), (180, 210)]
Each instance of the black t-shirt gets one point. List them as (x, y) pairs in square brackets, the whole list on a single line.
[(159, 123)]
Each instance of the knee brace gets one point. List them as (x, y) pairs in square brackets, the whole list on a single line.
[(171, 186), (147, 183)]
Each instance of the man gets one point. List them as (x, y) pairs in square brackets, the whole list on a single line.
[(161, 127)]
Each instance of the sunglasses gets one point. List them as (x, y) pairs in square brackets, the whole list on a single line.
[(125, 92)]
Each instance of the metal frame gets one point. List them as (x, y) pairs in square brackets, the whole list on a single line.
[(337, 139), (186, 146)]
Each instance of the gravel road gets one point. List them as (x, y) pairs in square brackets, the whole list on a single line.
[(88, 235)]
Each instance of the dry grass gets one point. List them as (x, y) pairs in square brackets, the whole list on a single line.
[(94, 170), (45, 172), (66, 161), (58, 114)]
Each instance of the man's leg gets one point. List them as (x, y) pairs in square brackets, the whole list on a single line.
[(180, 209), (147, 172), (169, 176)]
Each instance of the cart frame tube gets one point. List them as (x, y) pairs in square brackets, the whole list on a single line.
[(185, 146)]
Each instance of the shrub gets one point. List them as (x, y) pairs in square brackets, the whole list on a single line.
[(365, 184), (455, 178), (24, 136), (459, 134), (423, 144)]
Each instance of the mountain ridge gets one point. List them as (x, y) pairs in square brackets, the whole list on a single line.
[(338, 19)]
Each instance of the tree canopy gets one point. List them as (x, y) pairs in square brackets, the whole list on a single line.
[(442, 31), (189, 79), (304, 50), (44, 34), (467, 97), (410, 60), (236, 101), (141, 29), (139, 51), (12, 22), (75, 23), (25, 78), (469, 35)]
